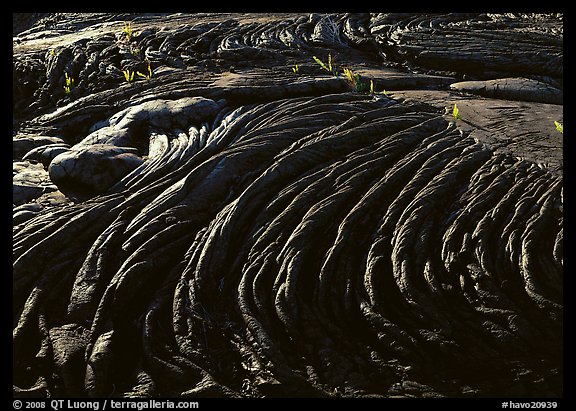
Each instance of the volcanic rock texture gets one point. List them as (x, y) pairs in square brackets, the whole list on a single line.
[(203, 209)]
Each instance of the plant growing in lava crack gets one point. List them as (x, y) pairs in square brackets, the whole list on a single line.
[(148, 75), (128, 75), (356, 82), (328, 67), (69, 83), (352, 78), (559, 126), (135, 51), (128, 32), (456, 112)]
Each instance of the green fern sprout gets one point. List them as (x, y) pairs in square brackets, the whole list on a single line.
[(350, 76), (128, 75), (355, 81), (328, 67), (456, 112), (295, 69), (559, 126), (321, 63), (135, 51), (69, 83), (147, 76), (372, 91), (361, 87), (127, 30)]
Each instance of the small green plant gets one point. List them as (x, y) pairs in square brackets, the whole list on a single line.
[(328, 67), (352, 78), (355, 81), (69, 83), (362, 87), (372, 91), (128, 75), (295, 69), (127, 30), (148, 75), (456, 112), (135, 51), (52, 52), (559, 126)]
